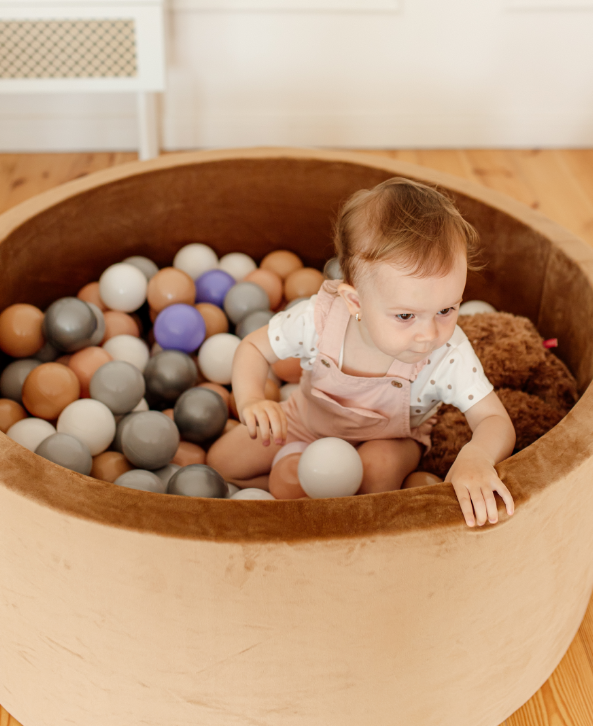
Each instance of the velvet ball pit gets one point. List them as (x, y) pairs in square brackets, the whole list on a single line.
[(123, 607)]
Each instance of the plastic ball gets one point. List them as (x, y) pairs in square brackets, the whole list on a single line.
[(296, 301), (47, 353), (254, 321), (237, 264), (90, 294), (166, 472), (168, 374), (118, 323), (471, 307), (90, 421), (284, 480), (130, 349), (67, 451), (420, 479), (10, 413), (146, 266), (119, 385), (180, 327), (332, 269), (188, 453), (142, 480), (271, 283), (303, 283), (30, 432), (212, 286), (282, 262), (195, 259), (215, 357), (69, 324), (13, 377), (85, 362), (97, 337), (21, 330), (287, 390), (109, 465), (330, 467), (198, 480), (48, 389), (142, 405), (252, 493), (233, 489), (215, 319), (123, 287), (168, 287), (149, 440), (217, 388), (119, 429), (244, 298), (200, 415)]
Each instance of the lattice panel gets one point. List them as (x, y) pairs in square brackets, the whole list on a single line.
[(67, 49)]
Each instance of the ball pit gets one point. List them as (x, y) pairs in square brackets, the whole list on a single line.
[(178, 609)]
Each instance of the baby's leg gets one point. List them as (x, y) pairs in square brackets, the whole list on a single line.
[(242, 460), (386, 463)]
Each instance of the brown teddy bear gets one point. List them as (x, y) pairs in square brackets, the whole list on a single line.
[(534, 385)]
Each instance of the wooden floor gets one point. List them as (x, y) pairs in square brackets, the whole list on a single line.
[(557, 183)]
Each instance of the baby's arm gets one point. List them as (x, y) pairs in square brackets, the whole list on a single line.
[(251, 364), (473, 475)]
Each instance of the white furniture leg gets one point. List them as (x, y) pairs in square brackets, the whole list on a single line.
[(147, 126)]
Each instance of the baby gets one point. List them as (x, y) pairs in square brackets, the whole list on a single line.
[(380, 352)]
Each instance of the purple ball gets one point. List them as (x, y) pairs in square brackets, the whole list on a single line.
[(179, 327), (212, 286)]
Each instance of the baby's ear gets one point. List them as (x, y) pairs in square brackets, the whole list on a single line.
[(350, 296)]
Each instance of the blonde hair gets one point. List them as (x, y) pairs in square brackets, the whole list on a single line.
[(407, 223)]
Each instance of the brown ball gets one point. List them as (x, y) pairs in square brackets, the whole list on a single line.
[(48, 389), (168, 287), (420, 479), (284, 481), (169, 412), (288, 369), (303, 283), (217, 388), (282, 262), (20, 330), (215, 319), (188, 453), (90, 294), (271, 283), (118, 323), (271, 390), (85, 363), (109, 465), (10, 413)]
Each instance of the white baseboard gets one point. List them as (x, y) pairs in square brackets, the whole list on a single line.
[(75, 132)]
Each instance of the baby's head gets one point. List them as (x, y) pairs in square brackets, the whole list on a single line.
[(404, 250)]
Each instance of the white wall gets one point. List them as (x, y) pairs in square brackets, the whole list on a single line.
[(434, 73)]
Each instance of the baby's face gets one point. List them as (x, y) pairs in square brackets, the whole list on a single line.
[(409, 317)]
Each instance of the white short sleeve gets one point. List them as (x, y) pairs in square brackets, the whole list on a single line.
[(292, 332)]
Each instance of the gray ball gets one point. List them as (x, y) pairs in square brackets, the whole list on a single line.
[(200, 414), (167, 472), (168, 374), (296, 301), (253, 321), (146, 266), (244, 298), (13, 378), (97, 337), (332, 269), (67, 451), (69, 324), (149, 440), (198, 480), (47, 353), (143, 480), (119, 385), (119, 429)]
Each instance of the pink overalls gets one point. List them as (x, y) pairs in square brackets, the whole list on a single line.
[(329, 402)]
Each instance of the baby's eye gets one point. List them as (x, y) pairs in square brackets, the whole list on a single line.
[(401, 316), (446, 310)]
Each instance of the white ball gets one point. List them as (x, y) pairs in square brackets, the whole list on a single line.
[(128, 348), (142, 406), (30, 432), (330, 467), (471, 307), (237, 264), (215, 357), (195, 259), (286, 390), (123, 287), (233, 489), (252, 494), (90, 421)]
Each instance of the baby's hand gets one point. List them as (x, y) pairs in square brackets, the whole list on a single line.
[(269, 416), (427, 426), (474, 480)]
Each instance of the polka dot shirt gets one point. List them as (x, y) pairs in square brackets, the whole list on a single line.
[(453, 373)]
